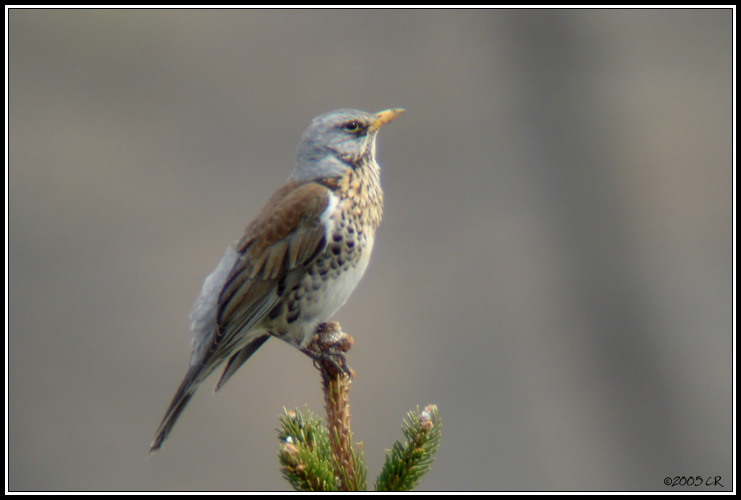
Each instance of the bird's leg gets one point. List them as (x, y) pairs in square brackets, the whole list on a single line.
[(329, 349)]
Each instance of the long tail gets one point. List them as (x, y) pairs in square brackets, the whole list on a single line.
[(187, 388), (196, 374)]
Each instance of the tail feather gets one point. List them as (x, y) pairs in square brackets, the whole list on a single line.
[(186, 390), (196, 374), (238, 359)]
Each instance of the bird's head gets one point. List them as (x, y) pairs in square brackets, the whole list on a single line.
[(338, 140)]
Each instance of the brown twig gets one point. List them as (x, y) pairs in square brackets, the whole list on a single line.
[(331, 344)]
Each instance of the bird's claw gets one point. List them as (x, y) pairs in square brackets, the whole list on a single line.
[(329, 349)]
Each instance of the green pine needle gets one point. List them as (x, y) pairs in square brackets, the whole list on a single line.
[(304, 452), (306, 458), (406, 463)]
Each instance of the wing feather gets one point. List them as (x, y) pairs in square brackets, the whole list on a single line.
[(289, 233)]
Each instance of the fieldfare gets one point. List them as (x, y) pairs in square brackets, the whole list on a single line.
[(298, 260)]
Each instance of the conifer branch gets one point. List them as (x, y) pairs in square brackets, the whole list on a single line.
[(314, 458), (406, 463)]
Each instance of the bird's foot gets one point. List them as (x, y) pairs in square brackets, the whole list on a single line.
[(329, 349)]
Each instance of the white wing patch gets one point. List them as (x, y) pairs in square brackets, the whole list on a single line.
[(326, 218)]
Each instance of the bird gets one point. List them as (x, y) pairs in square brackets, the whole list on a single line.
[(299, 259)]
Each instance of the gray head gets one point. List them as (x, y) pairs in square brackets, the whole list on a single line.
[(338, 140)]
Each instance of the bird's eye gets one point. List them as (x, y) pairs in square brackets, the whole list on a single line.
[(353, 126)]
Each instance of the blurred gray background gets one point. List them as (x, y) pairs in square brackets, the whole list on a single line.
[(554, 269)]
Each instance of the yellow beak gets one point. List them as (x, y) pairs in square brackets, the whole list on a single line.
[(383, 117)]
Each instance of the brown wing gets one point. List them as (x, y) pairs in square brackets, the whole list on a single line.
[(287, 235), (284, 238)]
